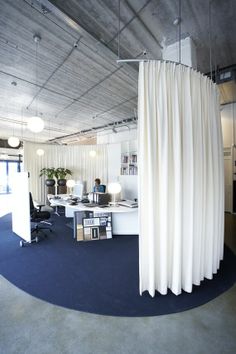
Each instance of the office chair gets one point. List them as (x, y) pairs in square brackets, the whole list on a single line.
[(39, 217), (104, 188)]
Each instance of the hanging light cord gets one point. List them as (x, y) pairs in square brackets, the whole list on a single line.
[(118, 49), (36, 71), (180, 20), (210, 39)]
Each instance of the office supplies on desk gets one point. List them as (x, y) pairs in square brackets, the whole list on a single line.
[(85, 200), (100, 198), (128, 203), (73, 203), (91, 205)]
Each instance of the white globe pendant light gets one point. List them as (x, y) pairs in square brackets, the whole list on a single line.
[(13, 141), (92, 153), (40, 152), (35, 124)]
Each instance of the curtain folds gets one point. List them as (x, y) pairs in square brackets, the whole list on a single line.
[(76, 158), (181, 178)]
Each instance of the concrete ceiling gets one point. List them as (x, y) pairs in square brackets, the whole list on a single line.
[(71, 77)]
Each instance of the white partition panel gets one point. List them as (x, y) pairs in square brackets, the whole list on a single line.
[(20, 206)]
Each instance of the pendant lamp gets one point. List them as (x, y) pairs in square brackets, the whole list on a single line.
[(35, 124), (13, 141), (40, 152)]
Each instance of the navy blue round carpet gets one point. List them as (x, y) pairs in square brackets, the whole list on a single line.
[(99, 276)]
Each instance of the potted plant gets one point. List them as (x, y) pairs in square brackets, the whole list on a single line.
[(49, 173), (60, 174)]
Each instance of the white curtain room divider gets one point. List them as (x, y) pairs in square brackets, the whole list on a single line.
[(76, 158), (181, 178)]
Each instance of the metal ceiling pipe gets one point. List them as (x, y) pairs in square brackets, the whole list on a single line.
[(118, 124)]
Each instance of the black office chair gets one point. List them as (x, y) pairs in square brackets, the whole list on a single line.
[(39, 219)]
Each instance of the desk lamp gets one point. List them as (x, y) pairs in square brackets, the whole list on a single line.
[(114, 188), (70, 184)]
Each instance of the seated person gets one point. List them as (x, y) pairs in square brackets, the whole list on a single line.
[(98, 187)]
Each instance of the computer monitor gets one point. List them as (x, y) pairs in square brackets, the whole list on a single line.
[(78, 190)]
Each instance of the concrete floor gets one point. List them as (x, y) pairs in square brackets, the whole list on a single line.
[(31, 326)]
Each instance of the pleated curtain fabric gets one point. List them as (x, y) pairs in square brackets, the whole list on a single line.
[(181, 178)]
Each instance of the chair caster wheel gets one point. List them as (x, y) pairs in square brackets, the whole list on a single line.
[(36, 239), (21, 244)]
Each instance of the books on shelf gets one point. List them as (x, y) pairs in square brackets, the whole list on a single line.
[(129, 163), (124, 171), (124, 158), (133, 158), (133, 170)]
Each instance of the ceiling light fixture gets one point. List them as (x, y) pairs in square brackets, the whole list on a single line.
[(13, 141), (40, 152), (92, 153), (35, 124)]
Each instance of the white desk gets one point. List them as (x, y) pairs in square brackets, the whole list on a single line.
[(124, 220)]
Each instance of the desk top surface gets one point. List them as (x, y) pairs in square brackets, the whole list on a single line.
[(63, 201)]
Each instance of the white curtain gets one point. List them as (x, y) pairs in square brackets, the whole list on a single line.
[(76, 158), (181, 178)]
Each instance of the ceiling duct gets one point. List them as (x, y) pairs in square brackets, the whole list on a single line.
[(226, 80)]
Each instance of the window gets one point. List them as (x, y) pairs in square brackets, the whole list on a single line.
[(7, 169)]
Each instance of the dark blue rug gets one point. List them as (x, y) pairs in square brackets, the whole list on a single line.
[(99, 276)]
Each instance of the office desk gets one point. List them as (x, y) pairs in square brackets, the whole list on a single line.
[(124, 220)]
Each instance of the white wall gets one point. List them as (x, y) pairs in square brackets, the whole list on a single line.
[(112, 138), (228, 113), (129, 184), (129, 187), (229, 133), (113, 155)]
